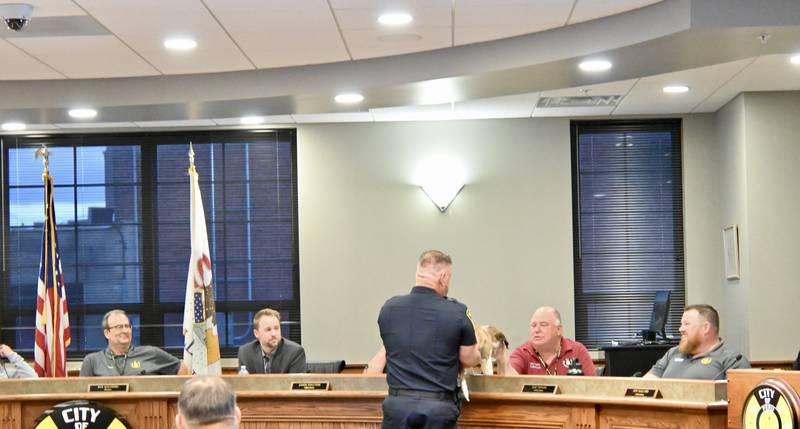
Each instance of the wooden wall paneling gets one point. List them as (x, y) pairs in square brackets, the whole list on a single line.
[(616, 417), (493, 412), (11, 415)]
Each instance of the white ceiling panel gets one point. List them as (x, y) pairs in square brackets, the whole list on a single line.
[(767, 73), (144, 24), (292, 48), (363, 19), (274, 119), (282, 33), (478, 21), (511, 106), (586, 10), (80, 57), (25, 66), (611, 88), (47, 8), (391, 5), (366, 43), (313, 118), (647, 96)]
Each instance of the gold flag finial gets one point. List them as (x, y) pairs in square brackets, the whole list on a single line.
[(45, 154)]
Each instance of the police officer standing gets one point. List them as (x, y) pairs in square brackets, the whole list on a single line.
[(426, 337)]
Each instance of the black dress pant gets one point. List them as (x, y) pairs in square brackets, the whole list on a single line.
[(400, 412)]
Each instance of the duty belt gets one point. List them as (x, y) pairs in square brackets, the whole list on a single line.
[(448, 396)]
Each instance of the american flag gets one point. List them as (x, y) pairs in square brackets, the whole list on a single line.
[(201, 340), (52, 317)]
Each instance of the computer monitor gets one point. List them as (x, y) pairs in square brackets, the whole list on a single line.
[(658, 320)]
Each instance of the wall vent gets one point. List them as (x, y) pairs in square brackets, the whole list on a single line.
[(581, 101)]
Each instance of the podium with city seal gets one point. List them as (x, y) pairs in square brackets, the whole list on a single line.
[(763, 399), (354, 401)]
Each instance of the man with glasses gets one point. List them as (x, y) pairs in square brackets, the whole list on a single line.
[(121, 357)]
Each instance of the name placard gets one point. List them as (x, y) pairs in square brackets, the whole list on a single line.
[(310, 385), (122, 387), (540, 388), (643, 393)]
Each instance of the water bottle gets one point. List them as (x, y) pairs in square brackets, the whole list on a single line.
[(243, 370)]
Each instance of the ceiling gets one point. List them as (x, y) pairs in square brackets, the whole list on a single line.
[(285, 60)]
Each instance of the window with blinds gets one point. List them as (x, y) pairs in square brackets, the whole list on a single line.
[(627, 226), (122, 209)]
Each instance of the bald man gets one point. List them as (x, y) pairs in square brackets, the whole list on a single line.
[(207, 402), (426, 337), (548, 352)]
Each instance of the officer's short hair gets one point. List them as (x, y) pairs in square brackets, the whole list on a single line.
[(115, 311), (434, 257), (706, 312), (206, 400), (265, 312)]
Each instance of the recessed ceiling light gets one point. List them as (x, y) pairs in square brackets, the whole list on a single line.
[(349, 98), (595, 65), (83, 113), (251, 120), (180, 44), (795, 59), (676, 89), (395, 18), (13, 126)]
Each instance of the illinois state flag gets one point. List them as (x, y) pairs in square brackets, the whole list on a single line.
[(201, 341), (52, 317)]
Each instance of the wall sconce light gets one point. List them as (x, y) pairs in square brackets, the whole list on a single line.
[(441, 180)]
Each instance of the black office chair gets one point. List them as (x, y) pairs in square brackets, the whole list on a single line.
[(325, 366), (796, 365)]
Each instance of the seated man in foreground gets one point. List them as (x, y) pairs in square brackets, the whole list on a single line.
[(548, 352), (121, 357), (21, 368), (701, 354), (207, 402), (270, 353)]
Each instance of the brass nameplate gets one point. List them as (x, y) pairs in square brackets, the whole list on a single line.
[(643, 393), (540, 388), (123, 387), (310, 385)]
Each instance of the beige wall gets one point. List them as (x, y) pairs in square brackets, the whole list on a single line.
[(363, 222), (773, 203), (730, 125)]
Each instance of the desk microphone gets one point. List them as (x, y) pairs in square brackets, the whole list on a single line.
[(734, 364)]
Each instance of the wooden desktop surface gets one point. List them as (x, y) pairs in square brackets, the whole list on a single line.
[(354, 401)]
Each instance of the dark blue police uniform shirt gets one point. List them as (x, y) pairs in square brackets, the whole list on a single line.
[(422, 333)]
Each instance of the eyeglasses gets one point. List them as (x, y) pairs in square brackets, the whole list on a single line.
[(120, 327)]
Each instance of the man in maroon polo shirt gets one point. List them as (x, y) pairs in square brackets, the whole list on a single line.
[(548, 352)]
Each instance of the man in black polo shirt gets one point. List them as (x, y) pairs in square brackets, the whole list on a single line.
[(426, 337)]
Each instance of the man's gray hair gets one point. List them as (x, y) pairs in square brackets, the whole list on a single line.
[(114, 311), (206, 400)]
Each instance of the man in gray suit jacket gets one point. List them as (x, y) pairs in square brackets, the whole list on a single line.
[(270, 353)]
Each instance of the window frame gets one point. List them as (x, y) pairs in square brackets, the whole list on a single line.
[(151, 311), (677, 301)]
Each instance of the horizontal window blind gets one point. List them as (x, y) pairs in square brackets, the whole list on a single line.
[(627, 226)]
